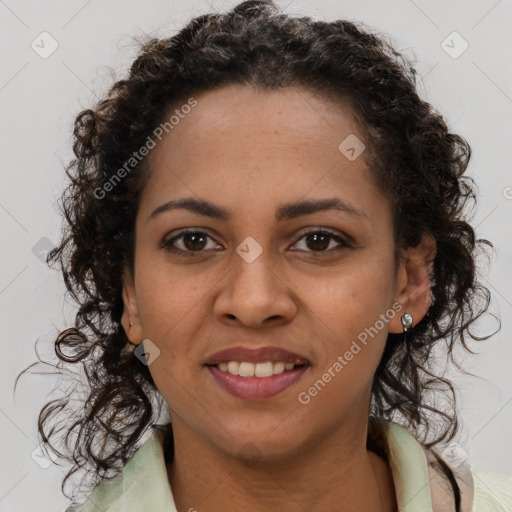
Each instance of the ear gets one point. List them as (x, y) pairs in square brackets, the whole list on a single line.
[(131, 310), (413, 289)]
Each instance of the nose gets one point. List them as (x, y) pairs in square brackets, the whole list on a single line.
[(255, 295)]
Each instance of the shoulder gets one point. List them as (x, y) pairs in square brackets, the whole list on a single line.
[(102, 496), (141, 485), (481, 490), (493, 491), (442, 490)]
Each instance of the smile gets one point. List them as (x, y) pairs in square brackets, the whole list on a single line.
[(246, 369), (251, 387)]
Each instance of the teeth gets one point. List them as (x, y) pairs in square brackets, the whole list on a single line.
[(244, 369), (278, 367), (263, 369), (233, 367)]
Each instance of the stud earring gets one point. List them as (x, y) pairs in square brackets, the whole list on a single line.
[(407, 322), (131, 323)]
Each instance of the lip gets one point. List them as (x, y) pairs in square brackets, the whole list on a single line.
[(258, 355), (257, 388)]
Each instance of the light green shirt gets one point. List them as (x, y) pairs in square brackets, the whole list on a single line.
[(143, 485)]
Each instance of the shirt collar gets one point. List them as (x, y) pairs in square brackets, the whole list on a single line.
[(408, 464), (144, 484)]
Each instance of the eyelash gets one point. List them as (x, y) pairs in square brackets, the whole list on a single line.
[(344, 244)]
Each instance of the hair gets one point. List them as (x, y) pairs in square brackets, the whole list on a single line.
[(416, 161)]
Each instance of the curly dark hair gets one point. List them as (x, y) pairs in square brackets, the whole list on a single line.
[(417, 162)]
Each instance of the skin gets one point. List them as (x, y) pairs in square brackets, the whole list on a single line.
[(250, 151)]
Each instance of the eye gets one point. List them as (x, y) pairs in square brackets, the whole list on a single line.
[(191, 241), (321, 240)]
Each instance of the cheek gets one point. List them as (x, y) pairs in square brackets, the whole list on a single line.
[(351, 324), (170, 308), (168, 296), (353, 335), (352, 298)]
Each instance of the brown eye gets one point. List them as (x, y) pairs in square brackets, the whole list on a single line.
[(189, 241), (320, 241), (194, 241)]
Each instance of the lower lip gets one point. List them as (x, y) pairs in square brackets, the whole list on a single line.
[(257, 388)]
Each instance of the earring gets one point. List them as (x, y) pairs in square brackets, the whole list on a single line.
[(131, 323), (407, 322)]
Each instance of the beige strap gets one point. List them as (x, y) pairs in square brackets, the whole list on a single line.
[(441, 490)]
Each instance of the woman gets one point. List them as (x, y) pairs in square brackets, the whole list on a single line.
[(266, 242)]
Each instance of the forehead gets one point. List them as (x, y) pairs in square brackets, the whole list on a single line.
[(252, 148)]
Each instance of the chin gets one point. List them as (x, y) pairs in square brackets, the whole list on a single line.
[(259, 448)]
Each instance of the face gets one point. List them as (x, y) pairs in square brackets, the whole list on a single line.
[(284, 254)]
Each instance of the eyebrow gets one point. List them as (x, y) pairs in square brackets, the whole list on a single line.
[(286, 211)]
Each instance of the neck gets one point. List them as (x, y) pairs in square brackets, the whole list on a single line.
[(336, 474)]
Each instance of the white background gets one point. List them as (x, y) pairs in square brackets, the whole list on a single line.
[(40, 97)]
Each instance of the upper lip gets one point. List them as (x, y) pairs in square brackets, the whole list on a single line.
[(258, 355)]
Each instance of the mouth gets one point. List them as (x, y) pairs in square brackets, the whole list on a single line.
[(256, 374), (259, 370)]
